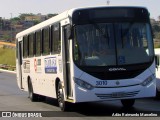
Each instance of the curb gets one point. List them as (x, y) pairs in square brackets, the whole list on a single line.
[(14, 72)]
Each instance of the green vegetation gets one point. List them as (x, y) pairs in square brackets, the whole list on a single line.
[(156, 31), (158, 46), (7, 56)]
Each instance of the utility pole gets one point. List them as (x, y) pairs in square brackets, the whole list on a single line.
[(108, 2)]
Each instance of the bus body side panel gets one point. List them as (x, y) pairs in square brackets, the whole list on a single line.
[(157, 58), (158, 76), (42, 78)]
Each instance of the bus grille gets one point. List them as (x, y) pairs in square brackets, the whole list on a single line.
[(117, 95)]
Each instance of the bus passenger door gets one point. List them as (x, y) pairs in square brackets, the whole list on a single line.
[(66, 65), (20, 63)]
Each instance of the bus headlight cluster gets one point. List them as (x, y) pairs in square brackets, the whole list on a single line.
[(83, 84), (148, 80)]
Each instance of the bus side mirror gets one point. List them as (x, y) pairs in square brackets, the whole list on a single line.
[(69, 30)]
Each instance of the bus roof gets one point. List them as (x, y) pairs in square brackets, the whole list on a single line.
[(62, 16)]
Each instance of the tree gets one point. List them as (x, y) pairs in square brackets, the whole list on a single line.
[(156, 28), (6, 37), (157, 35), (36, 22), (15, 19), (22, 16), (52, 15)]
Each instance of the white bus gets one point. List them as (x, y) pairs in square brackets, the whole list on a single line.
[(89, 54), (157, 59)]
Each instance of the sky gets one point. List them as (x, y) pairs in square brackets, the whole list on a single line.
[(13, 8)]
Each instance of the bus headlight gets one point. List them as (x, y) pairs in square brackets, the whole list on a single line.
[(148, 80), (83, 84)]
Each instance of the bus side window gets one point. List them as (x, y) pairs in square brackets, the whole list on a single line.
[(25, 46), (55, 39), (31, 44), (38, 43), (46, 41)]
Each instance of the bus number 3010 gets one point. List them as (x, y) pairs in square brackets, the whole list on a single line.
[(98, 83)]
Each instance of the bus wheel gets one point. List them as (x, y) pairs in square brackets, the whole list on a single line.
[(128, 102), (33, 97), (60, 97)]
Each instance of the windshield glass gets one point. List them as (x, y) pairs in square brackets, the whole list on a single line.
[(109, 44)]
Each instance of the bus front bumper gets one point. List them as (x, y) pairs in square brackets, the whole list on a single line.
[(103, 94)]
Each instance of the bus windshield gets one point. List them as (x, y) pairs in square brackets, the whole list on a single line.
[(112, 44)]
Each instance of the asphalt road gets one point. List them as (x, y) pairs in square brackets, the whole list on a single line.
[(13, 99)]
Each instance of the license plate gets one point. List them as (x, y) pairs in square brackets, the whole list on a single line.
[(117, 94)]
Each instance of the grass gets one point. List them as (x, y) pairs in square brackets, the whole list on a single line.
[(157, 46), (157, 43), (7, 56)]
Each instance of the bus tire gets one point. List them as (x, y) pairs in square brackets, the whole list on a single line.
[(60, 97), (128, 103), (41, 98), (33, 97)]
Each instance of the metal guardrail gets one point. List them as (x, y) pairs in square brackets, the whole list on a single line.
[(7, 67)]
